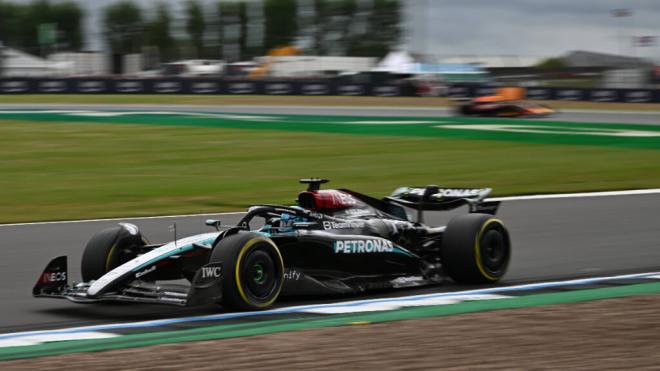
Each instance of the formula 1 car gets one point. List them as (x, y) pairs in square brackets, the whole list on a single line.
[(496, 106), (332, 242)]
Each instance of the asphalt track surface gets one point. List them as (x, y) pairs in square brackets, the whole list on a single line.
[(619, 117), (553, 238)]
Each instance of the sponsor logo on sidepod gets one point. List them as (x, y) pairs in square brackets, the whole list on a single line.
[(342, 225), (211, 272), (362, 246), (292, 274)]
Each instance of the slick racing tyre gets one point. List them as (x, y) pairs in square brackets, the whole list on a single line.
[(108, 249), (476, 249), (253, 271)]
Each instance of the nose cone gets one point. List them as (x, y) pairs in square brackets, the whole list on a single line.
[(102, 283)]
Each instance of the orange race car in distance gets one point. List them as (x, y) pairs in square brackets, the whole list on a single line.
[(499, 106)]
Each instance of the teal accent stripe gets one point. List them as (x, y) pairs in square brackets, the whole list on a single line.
[(180, 250), (402, 251), (164, 256)]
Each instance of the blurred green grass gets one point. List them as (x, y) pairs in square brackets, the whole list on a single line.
[(57, 171)]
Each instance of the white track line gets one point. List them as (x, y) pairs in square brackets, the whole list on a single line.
[(632, 192), (578, 195)]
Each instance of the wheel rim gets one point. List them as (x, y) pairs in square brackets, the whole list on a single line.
[(260, 275), (494, 248)]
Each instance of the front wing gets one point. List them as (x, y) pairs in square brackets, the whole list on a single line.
[(205, 288)]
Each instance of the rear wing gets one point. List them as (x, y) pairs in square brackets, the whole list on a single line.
[(434, 198)]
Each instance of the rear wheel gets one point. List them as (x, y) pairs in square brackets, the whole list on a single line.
[(253, 271), (107, 250), (476, 249)]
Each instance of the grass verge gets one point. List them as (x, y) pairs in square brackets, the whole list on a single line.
[(56, 171)]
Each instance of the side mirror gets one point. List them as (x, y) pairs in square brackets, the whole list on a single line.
[(215, 223)]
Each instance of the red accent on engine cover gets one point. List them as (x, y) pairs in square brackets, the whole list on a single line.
[(326, 199)]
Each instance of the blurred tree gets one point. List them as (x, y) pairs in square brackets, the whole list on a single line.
[(551, 64), (383, 31), (9, 16), (195, 26), (333, 23), (356, 28), (343, 12), (157, 33), (321, 15), (229, 30), (234, 30), (19, 25), (68, 18), (32, 16), (123, 26), (245, 52), (281, 24)]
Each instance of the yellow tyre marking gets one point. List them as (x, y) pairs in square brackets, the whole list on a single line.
[(477, 250), (107, 258), (245, 248), (112, 250)]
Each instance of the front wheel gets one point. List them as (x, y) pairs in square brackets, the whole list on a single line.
[(254, 270), (108, 249), (476, 249)]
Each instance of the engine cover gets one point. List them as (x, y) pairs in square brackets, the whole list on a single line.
[(327, 199)]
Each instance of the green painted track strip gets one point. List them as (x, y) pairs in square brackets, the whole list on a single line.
[(550, 132), (271, 326)]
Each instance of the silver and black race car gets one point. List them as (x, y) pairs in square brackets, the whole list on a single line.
[(332, 242)]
